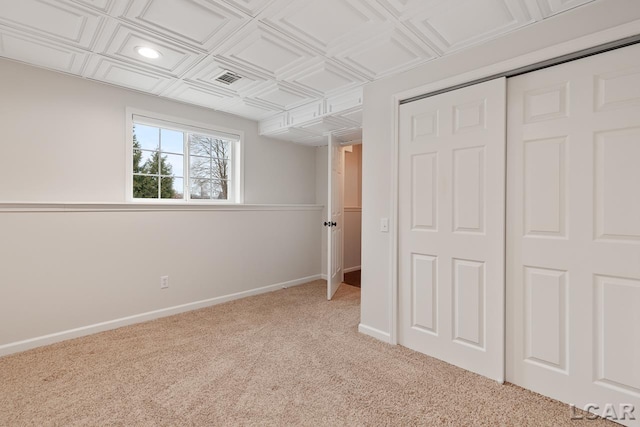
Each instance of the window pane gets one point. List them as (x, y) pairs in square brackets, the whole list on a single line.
[(143, 162), (137, 161), (178, 187), (171, 141), (148, 137), (220, 169), (220, 148), (200, 189), (171, 188), (172, 164), (145, 187), (199, 145), (220, 190), (150, 165), (200, 167)]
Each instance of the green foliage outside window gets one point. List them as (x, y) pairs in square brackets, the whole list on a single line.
[(147, 176)]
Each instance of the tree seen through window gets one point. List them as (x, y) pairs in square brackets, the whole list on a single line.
[(152, 174)]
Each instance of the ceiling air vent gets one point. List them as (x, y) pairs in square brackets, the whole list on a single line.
[(228, 77)]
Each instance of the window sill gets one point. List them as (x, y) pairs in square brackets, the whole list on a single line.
[(147, 207)]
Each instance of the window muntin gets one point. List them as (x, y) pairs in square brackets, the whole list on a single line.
[(174, 162)]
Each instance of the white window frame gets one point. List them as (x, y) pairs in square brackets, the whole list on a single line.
[(236, 189)]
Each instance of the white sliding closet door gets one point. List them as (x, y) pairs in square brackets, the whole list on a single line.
[(451, 227), (573, 248)]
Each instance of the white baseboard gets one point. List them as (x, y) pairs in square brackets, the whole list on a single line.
[(28, 344), (350, 269), (375, 333), (324, 277)]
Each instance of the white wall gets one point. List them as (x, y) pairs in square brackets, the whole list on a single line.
[(64, 266), (352, 207), (63, 140), (378, 128), (352, 238), (353, 176)]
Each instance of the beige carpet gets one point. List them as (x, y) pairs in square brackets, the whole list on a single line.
[(284, 358)]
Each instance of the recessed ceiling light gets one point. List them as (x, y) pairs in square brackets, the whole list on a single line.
[(148, 52)]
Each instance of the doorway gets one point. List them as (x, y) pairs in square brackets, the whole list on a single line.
[(341, 194), (339, 188), (352, 213)]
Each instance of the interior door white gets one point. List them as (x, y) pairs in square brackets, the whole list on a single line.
[(573, 248), (335, 236), (451, 227)]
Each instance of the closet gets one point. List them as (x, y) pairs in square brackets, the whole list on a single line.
[(519, 229)]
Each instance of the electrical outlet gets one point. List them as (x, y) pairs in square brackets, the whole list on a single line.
[(164, 282)]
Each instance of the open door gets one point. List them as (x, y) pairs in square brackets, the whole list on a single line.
[(335, 236)]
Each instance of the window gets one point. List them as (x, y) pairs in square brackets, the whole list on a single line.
[(182, 162)]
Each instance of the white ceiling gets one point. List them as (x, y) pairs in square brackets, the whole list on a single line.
[(303, 62)]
